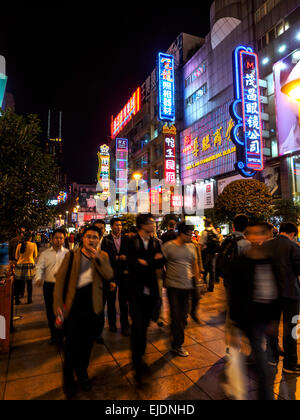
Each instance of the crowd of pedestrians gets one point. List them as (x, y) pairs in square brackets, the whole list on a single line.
[(84, 278)]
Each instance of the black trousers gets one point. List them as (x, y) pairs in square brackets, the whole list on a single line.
[(124, 303), (290, 309), (208, 260), (80, 330), (179, 307), (48, 290), (141, 311), (109, 299), (20, 289)]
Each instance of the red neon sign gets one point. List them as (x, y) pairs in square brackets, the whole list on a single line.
[(132, 107)]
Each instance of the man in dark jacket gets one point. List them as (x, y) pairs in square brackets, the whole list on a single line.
[(109, 296), (120, 244), (145, 262), (285, 254), (171, 235)]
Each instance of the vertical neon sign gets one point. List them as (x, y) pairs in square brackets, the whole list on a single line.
[(246, 112), (3, 81), (166, 82), (104, 171), (122, 172)]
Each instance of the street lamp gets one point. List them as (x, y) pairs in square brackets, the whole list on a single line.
[(292, 90), (67, 219), (137, 176), (60, 216)]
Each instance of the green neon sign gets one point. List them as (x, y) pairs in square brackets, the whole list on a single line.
[(3, 81)]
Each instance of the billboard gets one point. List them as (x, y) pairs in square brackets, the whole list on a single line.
[(132, 107), (166, 84), (122, 172), (246, 112), (287, 110), (206, 147)]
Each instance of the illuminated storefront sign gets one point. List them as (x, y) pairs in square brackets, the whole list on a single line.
[(132, 107), (170, 154), (62, 197), (122, 171), (206, 147), (246, 112), (166, 82), (3, 81), (104, 171)]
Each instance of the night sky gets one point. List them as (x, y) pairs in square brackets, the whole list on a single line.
[(86, 63)]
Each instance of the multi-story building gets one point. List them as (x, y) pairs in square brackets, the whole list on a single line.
[(272, 29), (145, 131)]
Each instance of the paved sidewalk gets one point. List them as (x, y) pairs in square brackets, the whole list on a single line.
[(32, 371)]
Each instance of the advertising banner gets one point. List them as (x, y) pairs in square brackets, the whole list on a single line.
[(287, 110)]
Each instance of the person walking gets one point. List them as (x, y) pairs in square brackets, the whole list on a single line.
[(120, 245), (109, 296), (47, 266), (78, 299), (171, 234), (26, 254), (182, 270), (145, 262), (210, 246), (196, 292), (72, 241), (285, 254)]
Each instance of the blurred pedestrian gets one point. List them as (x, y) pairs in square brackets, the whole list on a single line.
[(254, 300), (182, 272), (285, 255), (210, 246), (145, 262), (47, 266), (26, 254), (171, 234), (78, 299)]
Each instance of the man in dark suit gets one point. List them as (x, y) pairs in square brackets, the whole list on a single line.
[(108, 296), (120, 245), (285, 254)]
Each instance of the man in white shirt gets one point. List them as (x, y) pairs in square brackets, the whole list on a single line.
[(47, 266)]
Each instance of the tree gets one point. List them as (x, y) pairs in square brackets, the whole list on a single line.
[(27, 175), (128, 220), (248, 197), (286, 211)]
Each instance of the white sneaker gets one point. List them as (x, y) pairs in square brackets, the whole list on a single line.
[(181, 352)]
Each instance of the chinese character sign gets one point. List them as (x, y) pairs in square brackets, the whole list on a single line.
[(246, 111), (121, 166), (104, 171), (170, 159), (166, 82), (132, 107)]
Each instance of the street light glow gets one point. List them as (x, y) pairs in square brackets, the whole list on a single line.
[(282, 49), (266, 61), (137, 176)]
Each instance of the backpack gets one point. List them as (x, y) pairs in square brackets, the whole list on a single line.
[(227, 254), (213, 243)]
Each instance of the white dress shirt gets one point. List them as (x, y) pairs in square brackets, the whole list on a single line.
[(49, 264)]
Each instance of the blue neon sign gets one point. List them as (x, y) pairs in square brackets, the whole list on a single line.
[(166, 83), (246, 112), (3, 81)]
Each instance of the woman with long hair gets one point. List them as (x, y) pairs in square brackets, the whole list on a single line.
[(26, 254)]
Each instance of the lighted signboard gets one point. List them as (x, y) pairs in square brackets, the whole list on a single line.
[(104, 171), (246, 112), (132, 107), (206, 147), (166, 83), (170, 154), (3, 81), (122, 171)]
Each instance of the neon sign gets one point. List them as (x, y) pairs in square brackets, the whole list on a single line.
[(132, 107), (3, 81), (246, 112), (104, 171), (122, 169), (166, 82)]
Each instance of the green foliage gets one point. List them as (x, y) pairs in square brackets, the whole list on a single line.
[(287, 211), (128, 220), (248, 197), (27, 175)]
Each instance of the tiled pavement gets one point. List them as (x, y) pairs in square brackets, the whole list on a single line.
[(32, 371)]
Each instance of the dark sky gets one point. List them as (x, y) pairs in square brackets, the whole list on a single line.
[(86, 62)]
